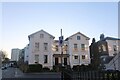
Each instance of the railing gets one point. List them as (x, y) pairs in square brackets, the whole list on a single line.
[(91, 75)]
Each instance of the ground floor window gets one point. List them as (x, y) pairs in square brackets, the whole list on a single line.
[(45, 58)]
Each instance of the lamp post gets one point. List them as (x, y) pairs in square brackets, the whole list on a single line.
[(61, 44)]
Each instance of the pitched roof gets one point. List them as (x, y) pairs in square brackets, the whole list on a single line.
[(42, 31), (76, 34), (111, 38)]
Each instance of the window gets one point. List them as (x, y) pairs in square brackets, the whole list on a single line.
[(114, 47), (45, 58), (45, 46), (78, 37), (100, 50), (82, 46), (41, 35), (75, 46), (37, 46), (56, 47), (104, 47), (83, 56), (36, 58), (75, 57)]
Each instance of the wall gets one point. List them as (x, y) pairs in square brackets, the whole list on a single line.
[(73, 40)]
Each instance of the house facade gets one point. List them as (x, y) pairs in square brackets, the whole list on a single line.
[(60, 54), (40, 49), (78, 49), (43, 49), (103, 51)]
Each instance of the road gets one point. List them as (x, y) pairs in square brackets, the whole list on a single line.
[(16, 74)]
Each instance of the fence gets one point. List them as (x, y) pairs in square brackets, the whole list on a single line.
[(91, 75)]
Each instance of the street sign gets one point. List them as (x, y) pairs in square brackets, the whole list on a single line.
[(61, 40)]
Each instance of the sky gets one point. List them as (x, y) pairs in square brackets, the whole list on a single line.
[(20, 19)]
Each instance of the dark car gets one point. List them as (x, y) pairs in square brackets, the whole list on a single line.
[(3, 67)]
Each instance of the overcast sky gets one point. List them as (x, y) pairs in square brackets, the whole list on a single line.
[(22, 19)]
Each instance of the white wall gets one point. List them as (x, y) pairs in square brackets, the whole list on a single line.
[(47, 39), (110, 46), (73, 40), (15, 54), (26, 55)]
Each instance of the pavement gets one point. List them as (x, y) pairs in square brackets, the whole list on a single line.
[(16, 74)]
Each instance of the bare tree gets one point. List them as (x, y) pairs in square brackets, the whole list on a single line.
[(3, 55)]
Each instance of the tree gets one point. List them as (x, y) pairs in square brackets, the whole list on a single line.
[(93, 40), (3, 55)]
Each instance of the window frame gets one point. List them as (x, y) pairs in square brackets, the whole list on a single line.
[(37, 46), (78, 37), (37, 58), (82, 47), (76, 57), (75, 46), (41, 35), (45, 46), (83, 57), (45, 59)]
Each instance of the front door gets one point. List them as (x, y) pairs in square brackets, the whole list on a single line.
[(56, 61), (65, 61)]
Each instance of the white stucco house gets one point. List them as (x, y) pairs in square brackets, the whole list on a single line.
[(43, 49), (78, 49), (40, 48)]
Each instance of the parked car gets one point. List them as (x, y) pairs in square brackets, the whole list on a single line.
[(3, 67)]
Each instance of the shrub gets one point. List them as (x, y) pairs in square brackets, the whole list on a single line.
[(35, 68), (76, 68), (46, 69)]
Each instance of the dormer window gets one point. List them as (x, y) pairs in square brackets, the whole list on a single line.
[(41, 35), (78, 37)]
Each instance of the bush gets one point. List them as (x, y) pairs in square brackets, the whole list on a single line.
[(35, 68), (56, 68), (76, 68), (81, 68), (46, 69)]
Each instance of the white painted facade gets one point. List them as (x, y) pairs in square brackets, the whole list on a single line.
[(15, 54), (114, 50), (113, 44), (57, 49), (37, 51), (77, 53), (42, 45), (26, 54)]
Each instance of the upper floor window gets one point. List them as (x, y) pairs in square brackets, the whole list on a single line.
[(82, 46), (56, 47), (45, 46), (114, 47), (78, 37), (104, 47), (37, 46), (75, 46), (41, 35), (99, 48), (45, 58), (83, 56)]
